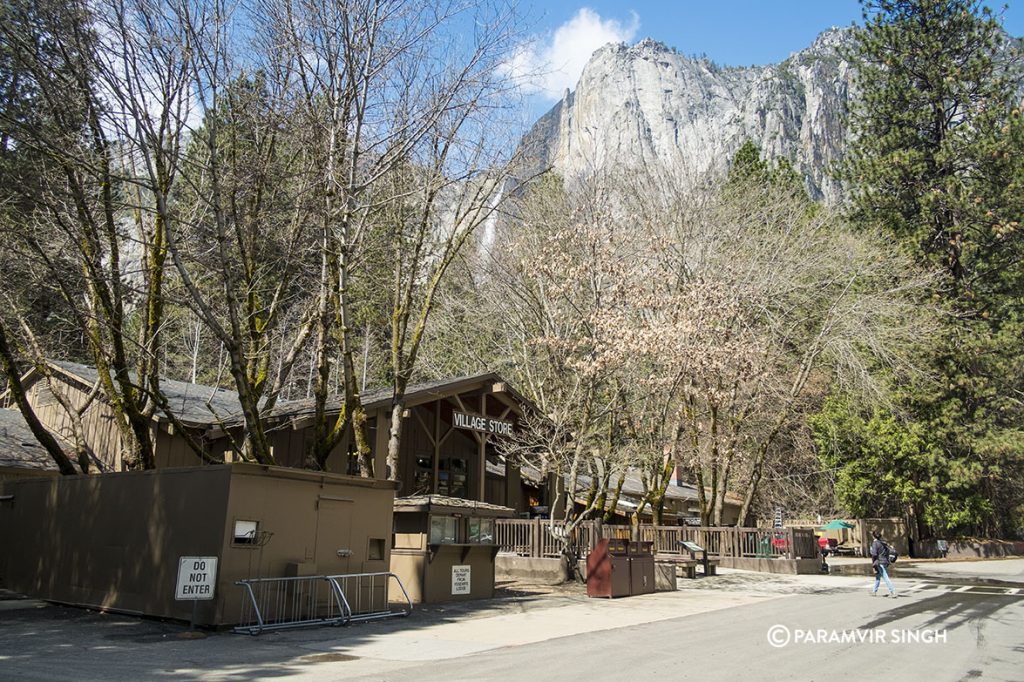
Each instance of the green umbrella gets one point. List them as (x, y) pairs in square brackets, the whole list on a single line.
[(837, 525)]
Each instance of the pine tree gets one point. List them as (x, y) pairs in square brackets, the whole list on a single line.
[(937, 164)]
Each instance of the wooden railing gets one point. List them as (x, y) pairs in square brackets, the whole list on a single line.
[(541, 538)]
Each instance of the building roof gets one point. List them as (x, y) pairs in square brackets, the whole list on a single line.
[(191, 403), (443, 503), (632, 487), (19, 448), (200, 405), (414, 394)]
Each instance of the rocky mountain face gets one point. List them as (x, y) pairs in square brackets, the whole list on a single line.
[(648, 105)]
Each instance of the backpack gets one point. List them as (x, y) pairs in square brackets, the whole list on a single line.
[(888, 552)]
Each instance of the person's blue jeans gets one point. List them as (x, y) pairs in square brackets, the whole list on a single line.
[(880, 574)]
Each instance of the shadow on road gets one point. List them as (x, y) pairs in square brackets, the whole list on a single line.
[(949, 609)]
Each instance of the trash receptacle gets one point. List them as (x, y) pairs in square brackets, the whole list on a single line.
[(641, 567), (608, 569)]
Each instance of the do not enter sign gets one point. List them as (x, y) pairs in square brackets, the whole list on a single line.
[(197, 576)]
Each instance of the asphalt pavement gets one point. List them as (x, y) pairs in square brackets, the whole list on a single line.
[(951, 621)]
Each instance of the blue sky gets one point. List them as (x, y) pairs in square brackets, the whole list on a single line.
[(730, 32)]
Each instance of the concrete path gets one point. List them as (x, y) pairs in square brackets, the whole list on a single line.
[(458, 638)]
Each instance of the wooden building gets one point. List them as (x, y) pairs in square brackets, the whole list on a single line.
[(449, 430), (449, 435)]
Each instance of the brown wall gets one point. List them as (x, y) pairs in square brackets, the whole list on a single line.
[(310, 517), (113, 540), (428, 579), (894, 532)]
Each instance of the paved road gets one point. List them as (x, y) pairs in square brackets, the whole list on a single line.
[(715, 629), (983, 636)]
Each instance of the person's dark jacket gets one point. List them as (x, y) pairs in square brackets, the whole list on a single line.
[(879, 552)]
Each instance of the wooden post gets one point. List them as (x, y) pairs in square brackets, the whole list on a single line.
[(535, 536), (482, 456), (380, 447), (437, 445)]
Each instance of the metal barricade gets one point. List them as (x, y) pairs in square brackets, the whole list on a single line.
[(365, 595), (279, 603), (292, 602)]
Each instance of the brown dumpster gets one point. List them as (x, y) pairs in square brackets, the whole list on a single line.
[(608, 569), (641, 567)]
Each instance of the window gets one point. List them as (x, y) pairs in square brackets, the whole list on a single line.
[(423, 476), (481, 531), (443, 530), (246, 532), (375, 551), (452, 477)]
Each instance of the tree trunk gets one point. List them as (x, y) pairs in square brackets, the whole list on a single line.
[(610, 509), (657, 510), (17, 390)]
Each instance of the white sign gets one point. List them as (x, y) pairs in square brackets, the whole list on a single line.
[(197, 576), (498, 427), (460, 579)]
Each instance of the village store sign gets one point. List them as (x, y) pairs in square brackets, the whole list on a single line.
[(498, 427)]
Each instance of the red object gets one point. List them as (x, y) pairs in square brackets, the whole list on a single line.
[(823, 542)]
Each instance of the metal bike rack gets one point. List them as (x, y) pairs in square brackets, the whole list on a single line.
[(368, 609), (294, 602)]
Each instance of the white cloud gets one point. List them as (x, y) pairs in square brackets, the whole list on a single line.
[(549, 64)]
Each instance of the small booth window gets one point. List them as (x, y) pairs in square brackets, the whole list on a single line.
[(246, 532), (481, 531), (444, 530)]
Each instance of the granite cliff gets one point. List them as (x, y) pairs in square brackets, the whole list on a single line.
[(648, 105)]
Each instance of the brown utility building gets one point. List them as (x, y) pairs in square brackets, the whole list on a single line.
[(114, 541), (444, 547)]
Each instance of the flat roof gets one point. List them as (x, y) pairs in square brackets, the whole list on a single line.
[(451, 505)]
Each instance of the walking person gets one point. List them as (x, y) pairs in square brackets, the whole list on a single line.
[(880, 562)]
